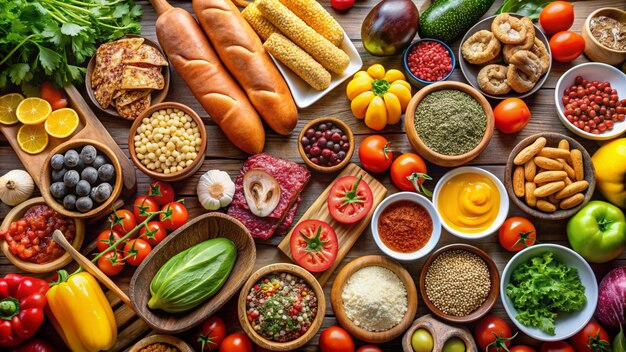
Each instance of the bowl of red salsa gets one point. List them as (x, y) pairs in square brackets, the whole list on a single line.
[(428, 61), (26, 236), (406, 226)]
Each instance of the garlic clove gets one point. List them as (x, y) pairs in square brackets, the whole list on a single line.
[(262, 192)]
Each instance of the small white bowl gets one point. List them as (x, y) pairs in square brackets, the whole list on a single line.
[(504, 202), (303, 94), (567, 324), (591, 71), (430, 208)]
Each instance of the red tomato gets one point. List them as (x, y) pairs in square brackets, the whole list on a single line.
[(53, 95), (511, 115), (350, 199), (375, 154), (161, 192), (111, 263), (566, 46), (591, 338), (493, 333), (178, 217), (556, 16), (517, 233), (342, 5), (35, 345), (408, 171), (136, 251), (123, 221), (237, 342), (336, 339), (107, 238), (521, 348), (145, 203), (369, 348), (314, 245), (557, 346), (154, 234), (210, 334)]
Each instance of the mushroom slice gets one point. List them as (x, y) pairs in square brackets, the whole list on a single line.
[(262, 192)]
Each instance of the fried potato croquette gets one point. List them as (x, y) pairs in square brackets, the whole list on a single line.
[(492, 79), (509, 49), (539, 49), (518, 80), (481, 47), (528, 63), (508, 29)]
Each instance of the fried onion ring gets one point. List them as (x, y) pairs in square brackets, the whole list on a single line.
[(539, 49), (492, 79), (509, 49), (528, 63), (518, 80), (481, 47), (508, 29)]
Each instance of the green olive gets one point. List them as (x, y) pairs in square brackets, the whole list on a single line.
[(422, 341), (454, 345)]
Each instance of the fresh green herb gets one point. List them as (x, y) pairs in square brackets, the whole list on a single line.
[(51, 39), (530, 8), (542, 287)]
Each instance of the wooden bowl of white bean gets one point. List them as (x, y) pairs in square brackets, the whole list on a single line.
[(168, 142)]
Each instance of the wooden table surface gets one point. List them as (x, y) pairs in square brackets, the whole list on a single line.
[(221, 154)]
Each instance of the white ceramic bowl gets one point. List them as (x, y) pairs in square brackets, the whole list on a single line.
[(303, 94), (591, 71), (430, 208), (504, 202), (567, 324)]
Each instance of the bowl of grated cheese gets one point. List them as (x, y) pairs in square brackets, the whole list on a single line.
[(374, 298)]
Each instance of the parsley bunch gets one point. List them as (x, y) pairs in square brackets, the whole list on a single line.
[(50, 39), (542, 287)]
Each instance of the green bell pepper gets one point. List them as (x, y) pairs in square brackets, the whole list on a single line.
[(598, 232)]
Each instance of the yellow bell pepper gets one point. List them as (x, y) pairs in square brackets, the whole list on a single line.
[(610, 164), (379, 97), (81, 313)]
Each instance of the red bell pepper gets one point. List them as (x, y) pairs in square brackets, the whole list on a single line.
[(22, 303), (35, 345)]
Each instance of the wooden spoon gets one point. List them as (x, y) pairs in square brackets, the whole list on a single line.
[(90, 267)]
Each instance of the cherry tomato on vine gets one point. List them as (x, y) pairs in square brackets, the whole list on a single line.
[(408, 173), (162, 192), (521, 348), (107, 238), (566, 46), (517, 233), (136, 251), (156, 231), (493, 334), (123, 221), (591, 338), (557, 16), (375, 153), (53, 95), (237, 342), (557, 346), (147, 203), (336, 339), (111, 263), (211, 333), (178, 217), (511, 115)]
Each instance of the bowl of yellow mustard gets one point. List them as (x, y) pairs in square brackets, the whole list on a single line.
[(471, 202)]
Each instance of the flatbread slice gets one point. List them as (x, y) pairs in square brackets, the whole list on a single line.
[(135, 77), (108, 52), (129, 96), (133, 110), (145, 54)]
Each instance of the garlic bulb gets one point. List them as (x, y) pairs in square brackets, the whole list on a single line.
[(215, 189), (16, 186)]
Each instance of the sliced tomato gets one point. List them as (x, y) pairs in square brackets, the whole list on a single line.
[(314, 245), (350, 199)]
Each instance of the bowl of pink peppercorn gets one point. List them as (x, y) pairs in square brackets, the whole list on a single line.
[(428, 61)]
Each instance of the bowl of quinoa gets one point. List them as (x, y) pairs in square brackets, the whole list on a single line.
[(459, 283), (281, 307)]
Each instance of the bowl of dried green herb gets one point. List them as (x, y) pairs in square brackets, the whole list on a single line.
[(449, 123)]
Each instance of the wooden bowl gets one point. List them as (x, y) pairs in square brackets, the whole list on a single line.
[(344, 127), (440, 332), (313, 329), (73, 144), (173, 341), (157, 95), (491, 299), (17, 213), (470, 72), (596, 51), (432, 156), (184, 173), (553, 140), (337, 302), (200, 229)]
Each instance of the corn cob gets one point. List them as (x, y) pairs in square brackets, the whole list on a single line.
[(301, 63), (323, 51), (313, 14), (260, 24)]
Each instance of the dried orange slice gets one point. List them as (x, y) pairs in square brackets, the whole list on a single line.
[(33, 111), (32, 139), (62, 123), (8, 106)]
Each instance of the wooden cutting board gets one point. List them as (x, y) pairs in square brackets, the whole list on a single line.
[(346, 234)]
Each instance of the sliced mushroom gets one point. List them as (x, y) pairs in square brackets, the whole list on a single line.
[(262, 192)]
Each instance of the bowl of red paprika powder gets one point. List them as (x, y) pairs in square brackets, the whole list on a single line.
[(428, 61), (406, 226)]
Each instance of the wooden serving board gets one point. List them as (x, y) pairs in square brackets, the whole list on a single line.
[(346, 234), (89, 127)]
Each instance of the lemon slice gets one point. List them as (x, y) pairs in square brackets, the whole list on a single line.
[(62, 123), (8, 106), (32, 139), (33, 111)]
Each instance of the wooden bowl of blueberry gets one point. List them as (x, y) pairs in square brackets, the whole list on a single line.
[(81, 178)]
